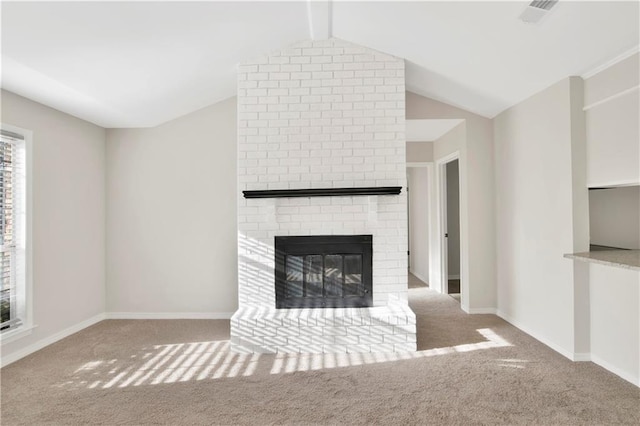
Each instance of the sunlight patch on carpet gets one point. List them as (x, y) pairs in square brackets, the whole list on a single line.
[(195, 361)]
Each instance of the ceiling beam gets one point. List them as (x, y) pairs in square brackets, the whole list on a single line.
[(319, 16)]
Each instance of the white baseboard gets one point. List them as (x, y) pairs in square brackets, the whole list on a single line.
[(40, 344), (420, 277), (562, 351), (14, 356), (582, 356), (482, 311), (577, 356), (633, 379), (169, 315), (454, 277)]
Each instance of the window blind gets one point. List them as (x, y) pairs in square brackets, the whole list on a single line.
[(12, 186)]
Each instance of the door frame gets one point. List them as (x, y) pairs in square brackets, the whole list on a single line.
[(441, 165), (429, 165)]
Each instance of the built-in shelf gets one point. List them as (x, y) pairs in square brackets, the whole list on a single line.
[(323, 192)]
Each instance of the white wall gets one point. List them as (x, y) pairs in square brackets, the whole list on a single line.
[(476, 185), (419, 192), (171, 216), (419, 152), (612, 101), (536, 195), (68, 219), (453, 220), (614, 216), (455, 140), (615, 320)]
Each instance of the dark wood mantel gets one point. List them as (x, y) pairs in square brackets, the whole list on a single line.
[(323, 192)]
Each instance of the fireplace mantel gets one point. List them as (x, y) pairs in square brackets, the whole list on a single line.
[(323, 192)]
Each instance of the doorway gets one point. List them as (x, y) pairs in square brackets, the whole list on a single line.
[(453, 228), (449, 173), (419, 181)]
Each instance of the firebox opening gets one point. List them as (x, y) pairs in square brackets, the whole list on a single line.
[(323, 271)]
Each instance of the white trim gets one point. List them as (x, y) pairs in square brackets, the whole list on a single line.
[(454, 277), (169, 315), (13, 335), (420, 164), (562, 351), (40, 344), (611, 62), (420, 277), (612, 97), (581, 356), (629, 377), (28, 255), (449, 158), (441, 178), (14, 356), (477, 311)]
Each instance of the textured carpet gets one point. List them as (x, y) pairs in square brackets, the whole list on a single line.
[(469, 370)]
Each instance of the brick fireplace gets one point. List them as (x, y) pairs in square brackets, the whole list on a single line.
[(322, 115)]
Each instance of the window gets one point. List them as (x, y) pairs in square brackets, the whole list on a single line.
[(13, 232)]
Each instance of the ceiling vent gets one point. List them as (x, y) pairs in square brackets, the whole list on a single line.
[(537, 10)]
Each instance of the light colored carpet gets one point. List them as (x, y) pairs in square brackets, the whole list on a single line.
[(469, 370), (415, 282)]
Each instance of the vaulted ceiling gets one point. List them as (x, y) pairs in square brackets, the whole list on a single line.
[(138, 64)]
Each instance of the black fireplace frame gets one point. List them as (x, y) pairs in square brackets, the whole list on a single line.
[(324, 245)]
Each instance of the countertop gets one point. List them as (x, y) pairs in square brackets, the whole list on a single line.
[(628, 259)]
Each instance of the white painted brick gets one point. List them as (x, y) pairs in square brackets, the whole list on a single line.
[(312, 51), (330, 82), (321, 75), (353, 65), (381, 329), (405, 347), (358, 348), (395, 338), (258, 76), (268, 68), (323, 340), (312, 67), (267, 84), (346, 340), (332, 66), (295, 68), (350, 134), (300, 340), (278, 60), (321, 60), (300, 59), (291, 51), (373, 65), (264, 331), (383, 348), (335, 349), (343, 58), (334, 331)]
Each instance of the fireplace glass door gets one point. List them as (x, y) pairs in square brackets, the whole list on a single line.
[(323, 271)]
